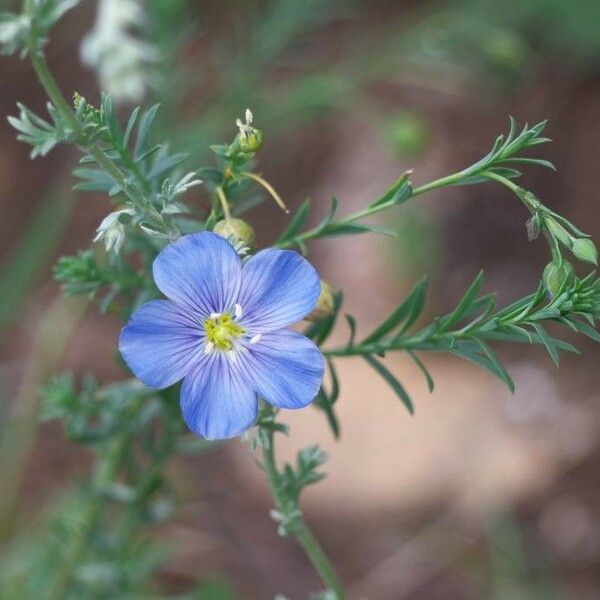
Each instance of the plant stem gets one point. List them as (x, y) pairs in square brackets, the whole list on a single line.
[(49, 84), (372, 210), (270, 189), (438, 183), (224, 203), (302, 533)]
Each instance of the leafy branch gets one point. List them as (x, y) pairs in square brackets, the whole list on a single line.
[(468, 330), (286, 486), (498, 162)]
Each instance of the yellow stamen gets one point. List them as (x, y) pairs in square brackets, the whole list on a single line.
[(221, 330)]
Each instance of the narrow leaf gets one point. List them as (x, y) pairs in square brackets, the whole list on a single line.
[(296, 224), (423, 369), (548, 343), (391, 381), (405, 310)]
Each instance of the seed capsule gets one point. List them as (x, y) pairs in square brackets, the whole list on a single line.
[(251, 141), (236, 231), (325, 304), (557, 276), (585, 249)]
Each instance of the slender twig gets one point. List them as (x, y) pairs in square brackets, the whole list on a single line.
[(301, 531), (267, 186), (315, 232), (51, 87), (224, 203)]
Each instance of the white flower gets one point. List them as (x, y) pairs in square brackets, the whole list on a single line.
[(120, 58), (13, 32), (112, 231), (246, 128)]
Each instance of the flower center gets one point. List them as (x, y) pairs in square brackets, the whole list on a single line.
[(221, 330)]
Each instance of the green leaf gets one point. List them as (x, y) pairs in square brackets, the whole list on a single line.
[(338, 229), (130, 126), (144, 129), (391, 381), (296, 223), (324, 403), (480, 353), (464, 305), (423, 369), (96, 180), (548, 343), (400, 192), (409, 309), (352, 325), (585, 329)]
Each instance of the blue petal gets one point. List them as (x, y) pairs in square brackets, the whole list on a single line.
[(286, 368), (216, 401), (201, 271), (279, 288), (161, 342)]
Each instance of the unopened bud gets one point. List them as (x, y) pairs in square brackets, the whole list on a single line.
[(585, 249), (249, 138), (558, 275), (237, 231), (558, 231), (251, 141), (325, 304)]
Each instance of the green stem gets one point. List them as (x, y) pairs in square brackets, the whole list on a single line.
[(224, 203), (513, 187), (369, 211), (452, 179), (270, 189), (302, 533), (49, 84)]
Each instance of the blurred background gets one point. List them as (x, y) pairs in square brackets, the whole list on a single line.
[(481, 494)]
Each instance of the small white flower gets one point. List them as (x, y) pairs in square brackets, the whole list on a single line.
[(111, 231), (120, 58), (13, 32), (246, 128)]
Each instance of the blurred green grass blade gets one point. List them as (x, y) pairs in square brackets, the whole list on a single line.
[(33, 251)]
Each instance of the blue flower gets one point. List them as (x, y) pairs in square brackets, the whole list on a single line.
[(222, 331)]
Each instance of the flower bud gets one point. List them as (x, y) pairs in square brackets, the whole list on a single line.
[(251, 141), (325, 304), (558, 231), (557, 275), (585, 249), (236, 231), (112, 229)]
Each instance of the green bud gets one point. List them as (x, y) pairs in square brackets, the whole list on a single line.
[(325, 304), (585, 249), (251, 141), (236, 231), (558, 231), (408, 134), (557, 275)]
